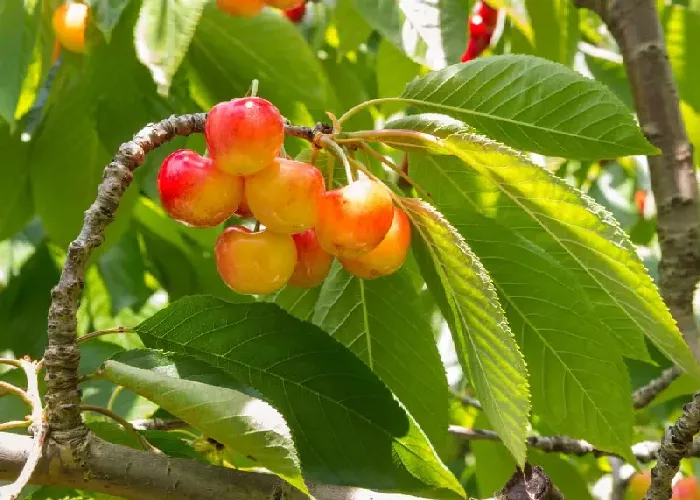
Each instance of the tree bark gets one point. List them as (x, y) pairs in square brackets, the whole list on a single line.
[(637, 30)]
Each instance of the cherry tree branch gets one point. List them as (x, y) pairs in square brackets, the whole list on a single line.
[(643, 396), (140, 475)]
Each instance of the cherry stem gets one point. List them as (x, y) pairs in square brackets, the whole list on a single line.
[(329, 143), (372, 102), (331, 171), (257, 226), (254, 87), (11, 389), (113, 397), (127, 426), (15, 424), (99, 333), (369, 150)]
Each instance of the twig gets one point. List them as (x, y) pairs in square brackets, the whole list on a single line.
[(311, 134), (11, 389), (14, 424), (646, 394), (127, 426), (114, 396), (619, 484), (159, 424), (11, 362), (100, 333), (38, 428), (468, 400), (675, 445)]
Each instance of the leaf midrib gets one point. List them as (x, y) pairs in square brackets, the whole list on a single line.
[(285, 380)]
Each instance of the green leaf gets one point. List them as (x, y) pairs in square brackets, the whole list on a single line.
[(611, 73), (16, 207), (122, 269), (163, 34), (682, 35), (228, 52), (18, 30), (564, 223), (381, 322), (394, 69), (66, 160), (23, 306), (484, 343), (352, 27), (107, 13), (555, 29), (534, 105), (430, 33), (248, 425), (317, 384)]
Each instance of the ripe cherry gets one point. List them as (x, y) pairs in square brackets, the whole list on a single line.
[(640, 198), (244, 135), (638, 485), (389, 256), (296, 14), (354, 219), (686, 489), (285, 196), (69, 21), (313, 262), (475, 47), (255, 262), (196, 193), (489, 16), (285, 4), (241, 8)]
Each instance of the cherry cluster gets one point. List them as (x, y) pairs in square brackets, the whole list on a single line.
[(305, 225), (293, 9), (482, 23)]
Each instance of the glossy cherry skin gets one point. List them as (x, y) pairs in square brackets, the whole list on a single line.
[(389, 256), (241, 8), (354, 219), (489, 15), (193, 191), (69, 21), (255, 262), (638, 485), (244, 135), (243, 210), (285, 196), (475, 46), (313, 262), (296, 14)]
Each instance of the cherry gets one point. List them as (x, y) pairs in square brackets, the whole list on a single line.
[(285, 196), (475, 47), (255, 262), (313, 262), (489, 16), (244, 135), (389, 256), (640, 198), (69, 21), (285, 4), (686, 489), (241, 8), (296, 14), (638, 486), (354, 219), (196, 193), (477, 26)]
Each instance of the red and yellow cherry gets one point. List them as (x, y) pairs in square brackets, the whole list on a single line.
[(389, 256), (285, 196), (284, 4), (296, 14), (354, 219), (686, 489), (244, 135), (255, 262), (638, 485), (313, 262), (69, 21), (241, 8), (193, 191)]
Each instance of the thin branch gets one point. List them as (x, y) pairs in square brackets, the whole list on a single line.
[(646, 394), (159, 424), (140, 475), (311, 134), (15, 424), (62, 354), (38, 427), (11, 389), (127, 426), (11, 362), (468, 400), (100, 333)]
